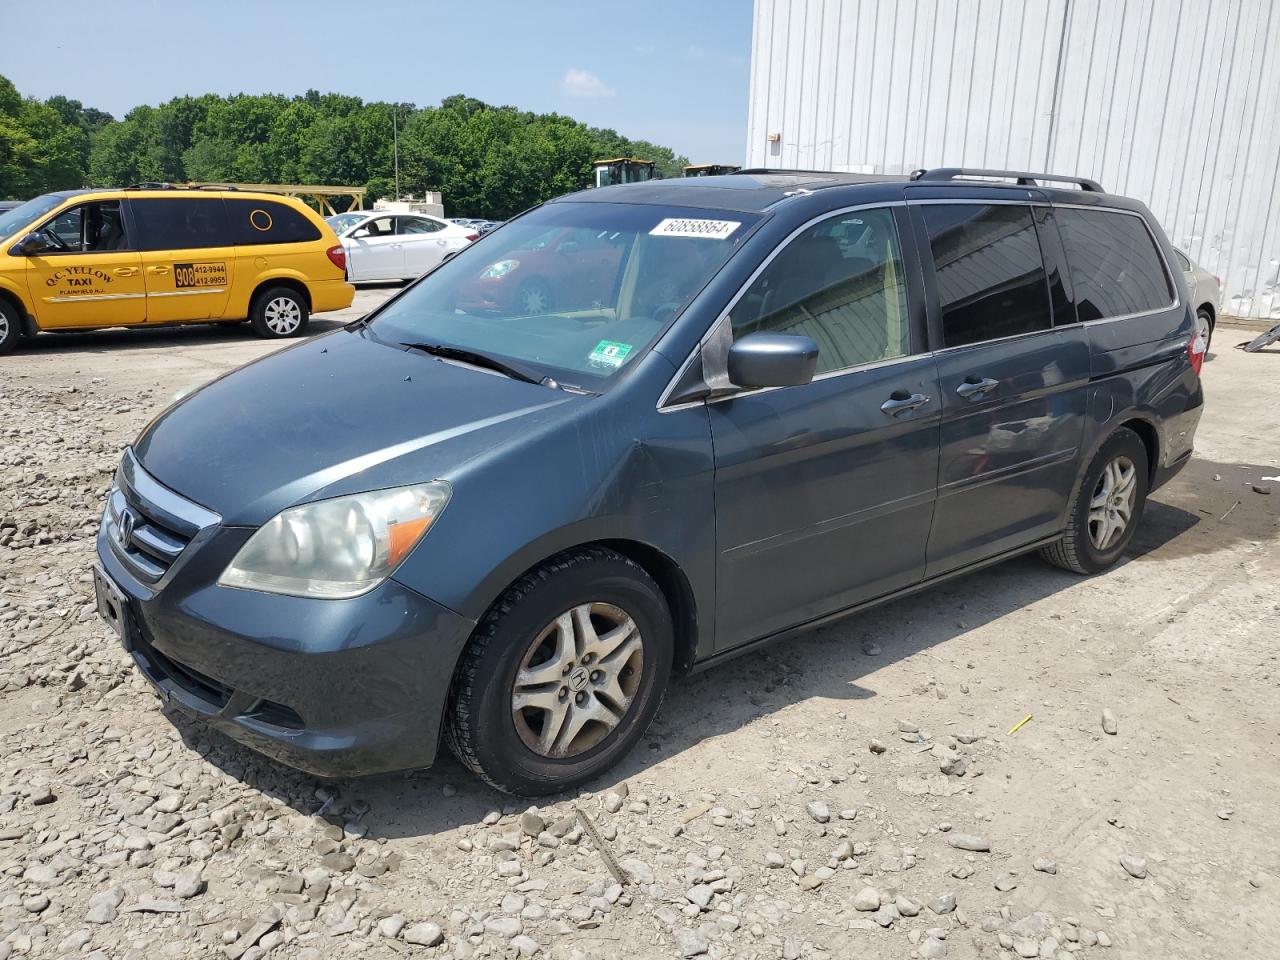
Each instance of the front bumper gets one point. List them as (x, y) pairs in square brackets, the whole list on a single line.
[(332, 687)]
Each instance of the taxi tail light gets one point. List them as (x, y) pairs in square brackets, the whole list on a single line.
[(338, 256)]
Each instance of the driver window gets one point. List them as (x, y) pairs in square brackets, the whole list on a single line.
[(88, 228), (380, 226), (841, 283)]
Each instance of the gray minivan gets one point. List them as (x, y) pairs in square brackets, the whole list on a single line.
[(635, 431)]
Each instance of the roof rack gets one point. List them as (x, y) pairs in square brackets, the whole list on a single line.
[(1024, 179), (151, 185)]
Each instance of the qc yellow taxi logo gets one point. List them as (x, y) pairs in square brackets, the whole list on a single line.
[(79, 280)]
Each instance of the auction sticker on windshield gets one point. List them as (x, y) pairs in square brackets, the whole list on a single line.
[(609, 354), (684, 227)]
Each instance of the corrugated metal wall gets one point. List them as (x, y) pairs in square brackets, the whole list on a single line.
[(1175, 102)]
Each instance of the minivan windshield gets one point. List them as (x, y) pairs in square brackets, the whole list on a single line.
[(21, 216), (576, 291)]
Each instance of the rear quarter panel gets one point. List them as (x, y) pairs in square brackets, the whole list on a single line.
[(1140, 367)]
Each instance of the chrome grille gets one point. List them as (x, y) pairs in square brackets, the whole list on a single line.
[(147, 524)]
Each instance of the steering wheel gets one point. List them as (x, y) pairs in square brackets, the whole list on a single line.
[(58, 242)]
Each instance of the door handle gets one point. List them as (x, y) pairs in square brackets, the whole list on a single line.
[(976, 389), (900, 401), (158, 271), (125, 271)]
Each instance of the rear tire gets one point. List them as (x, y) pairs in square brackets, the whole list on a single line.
[(279, 312), (563, 675), (1205, 318), (10, 327), (1114, 490)]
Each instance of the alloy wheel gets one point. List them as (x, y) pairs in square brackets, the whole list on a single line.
[(533, 300), (282, 316), (577, 680), (1111, 507), (4, 327)]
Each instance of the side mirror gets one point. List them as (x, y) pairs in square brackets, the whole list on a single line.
[(772, 360), (30, 245)]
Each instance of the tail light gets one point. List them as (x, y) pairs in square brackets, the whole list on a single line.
[(1197, 346), (339, 257), (472, 237)]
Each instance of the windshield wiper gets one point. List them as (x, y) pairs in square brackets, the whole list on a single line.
[(476, 359)]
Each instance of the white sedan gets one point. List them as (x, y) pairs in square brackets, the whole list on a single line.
[(396, 246)]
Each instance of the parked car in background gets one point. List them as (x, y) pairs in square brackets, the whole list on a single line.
[(1206, 293), (488, 226), (504, 531), (84, 259), (396, 246)]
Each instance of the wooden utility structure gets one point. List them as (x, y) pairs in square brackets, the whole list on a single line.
[(318, 195)]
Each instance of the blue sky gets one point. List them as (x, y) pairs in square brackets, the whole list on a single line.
[(670, 71)]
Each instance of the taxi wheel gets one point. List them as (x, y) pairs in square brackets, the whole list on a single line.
[(279, 312), (10, 327)]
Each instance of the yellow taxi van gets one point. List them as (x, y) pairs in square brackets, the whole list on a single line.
[(85, 259)]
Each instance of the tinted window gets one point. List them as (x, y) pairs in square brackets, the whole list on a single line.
[(265, 221), (87, 228), (419, 225), (180, 223), (840, 283), (1115, 267), (1183, 261), (991, 278)]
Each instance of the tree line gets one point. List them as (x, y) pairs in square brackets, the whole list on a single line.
[(488, 161)]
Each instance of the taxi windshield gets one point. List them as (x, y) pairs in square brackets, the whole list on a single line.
[(572, 291), (23, 215)]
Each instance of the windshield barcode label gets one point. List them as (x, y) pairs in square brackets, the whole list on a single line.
[(713, 229)]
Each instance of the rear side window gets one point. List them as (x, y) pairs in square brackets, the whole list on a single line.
[(265, 221), (180, 223), (1115, 267), (418, 225), (991, 277)]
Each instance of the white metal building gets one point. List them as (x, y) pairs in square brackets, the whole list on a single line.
[(1175, 102)]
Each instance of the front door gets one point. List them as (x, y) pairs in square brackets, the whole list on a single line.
[(89, 274), (375, 251), (824, 492), (187, 256), (1014, 386)]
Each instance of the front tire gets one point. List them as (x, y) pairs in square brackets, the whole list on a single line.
[(1107, 507), (10, 327), (563, 675), (279, 312)]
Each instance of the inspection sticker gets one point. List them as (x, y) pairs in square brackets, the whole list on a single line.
[(609, 354), (682, 227)]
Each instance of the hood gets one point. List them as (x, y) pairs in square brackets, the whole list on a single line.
[(334, 415)]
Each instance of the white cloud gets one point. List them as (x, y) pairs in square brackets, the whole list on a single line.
[(584, 83)]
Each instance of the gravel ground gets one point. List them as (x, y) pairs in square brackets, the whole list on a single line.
[(856, 793)]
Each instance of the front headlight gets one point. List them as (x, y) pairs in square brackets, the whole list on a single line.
[(500, 269), (337, 548)]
